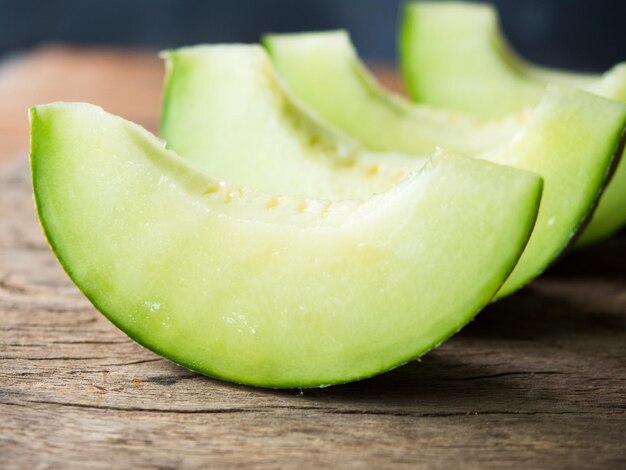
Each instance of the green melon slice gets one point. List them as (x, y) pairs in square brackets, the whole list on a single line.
[(225, 111), (323, 70), (454, 56), (263, 290), (573, 139), (570, 139)]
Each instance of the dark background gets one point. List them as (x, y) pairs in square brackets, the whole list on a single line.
[(581, 34)]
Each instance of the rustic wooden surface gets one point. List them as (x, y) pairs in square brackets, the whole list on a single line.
[(537, 381)]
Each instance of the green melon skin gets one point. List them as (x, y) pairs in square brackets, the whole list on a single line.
[(225, 111), (454, 56), (570, 138), (266, 290)]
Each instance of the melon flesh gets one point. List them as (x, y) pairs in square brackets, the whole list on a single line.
[(225, 111), (574, 140), (571, 139), (454, 56), (322, 70), (266, 290)]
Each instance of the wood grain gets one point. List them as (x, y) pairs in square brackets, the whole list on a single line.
[(537, 381)]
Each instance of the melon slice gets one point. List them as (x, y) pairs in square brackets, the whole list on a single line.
[(454, 56), (574, 140), (323, 70), (570, 139), (264, 290), (225, 111)]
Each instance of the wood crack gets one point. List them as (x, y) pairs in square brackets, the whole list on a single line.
[(142, 361), (55, 358), (503, 374), (77, 358), (268, 409), (124, 341)]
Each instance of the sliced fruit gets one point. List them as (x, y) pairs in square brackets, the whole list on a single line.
[(610, 215), (454, 56), (323, 70), (226, 112), (570, 139), (573, 139), (271, 291)]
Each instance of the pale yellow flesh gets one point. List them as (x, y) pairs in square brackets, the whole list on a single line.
[(571, 138), (323, 70), (226, 112)]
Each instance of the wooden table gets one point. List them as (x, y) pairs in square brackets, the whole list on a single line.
[(536, 381)]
